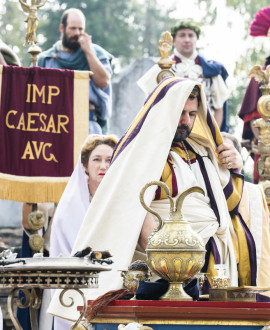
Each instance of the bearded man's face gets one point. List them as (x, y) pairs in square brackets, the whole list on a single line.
[(72, 30), (181, 133), (70, 42), (187, 120)]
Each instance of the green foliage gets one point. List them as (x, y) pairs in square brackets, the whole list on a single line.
[(234, 103), (13, 28), (246, 61), (256, 54), (247, 8), (208, 11), (127, 29)]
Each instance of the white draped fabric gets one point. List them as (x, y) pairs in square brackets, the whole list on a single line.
[(67, 220), (196, 207), (70, 213), (115, 216), (1, 319), (254, 210)]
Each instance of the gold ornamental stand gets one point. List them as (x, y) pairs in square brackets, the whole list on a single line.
[(263, 124)]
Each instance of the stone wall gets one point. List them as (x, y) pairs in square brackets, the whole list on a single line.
[(10, 214), (10, 224), (128, 98)]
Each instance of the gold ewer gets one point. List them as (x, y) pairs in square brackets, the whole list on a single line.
[(174, 251)]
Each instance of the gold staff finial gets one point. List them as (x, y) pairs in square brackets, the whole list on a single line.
[(165, 62), (260, 75), (32, 21), (263, 125)]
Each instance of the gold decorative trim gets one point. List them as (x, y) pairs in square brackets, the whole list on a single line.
[(113, 321), (191, 322), (204, 322), (80, 110)]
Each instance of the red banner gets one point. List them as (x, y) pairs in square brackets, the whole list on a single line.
[(38, 127)]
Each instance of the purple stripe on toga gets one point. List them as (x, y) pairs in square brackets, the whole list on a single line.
[(137, 129)]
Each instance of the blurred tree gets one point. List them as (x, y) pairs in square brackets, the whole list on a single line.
[(253, 55), (13, 28), (127, 29), (156, 20), (256, 54), (247, 8)]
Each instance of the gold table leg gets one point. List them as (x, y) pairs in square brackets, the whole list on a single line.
[(72, 303), (32, 300)]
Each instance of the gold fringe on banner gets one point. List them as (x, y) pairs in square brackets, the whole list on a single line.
[(41, 190)]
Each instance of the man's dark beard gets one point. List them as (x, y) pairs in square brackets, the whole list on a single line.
[(181, 133), (70, 43)]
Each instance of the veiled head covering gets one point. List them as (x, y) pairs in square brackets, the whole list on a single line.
[(75, 200), (69, 213), (205, 129), (259, 27)]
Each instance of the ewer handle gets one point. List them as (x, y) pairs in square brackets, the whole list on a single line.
[(179, 201), (167, 191)]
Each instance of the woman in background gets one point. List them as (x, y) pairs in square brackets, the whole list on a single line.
[(90, 170), (93, 164)]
